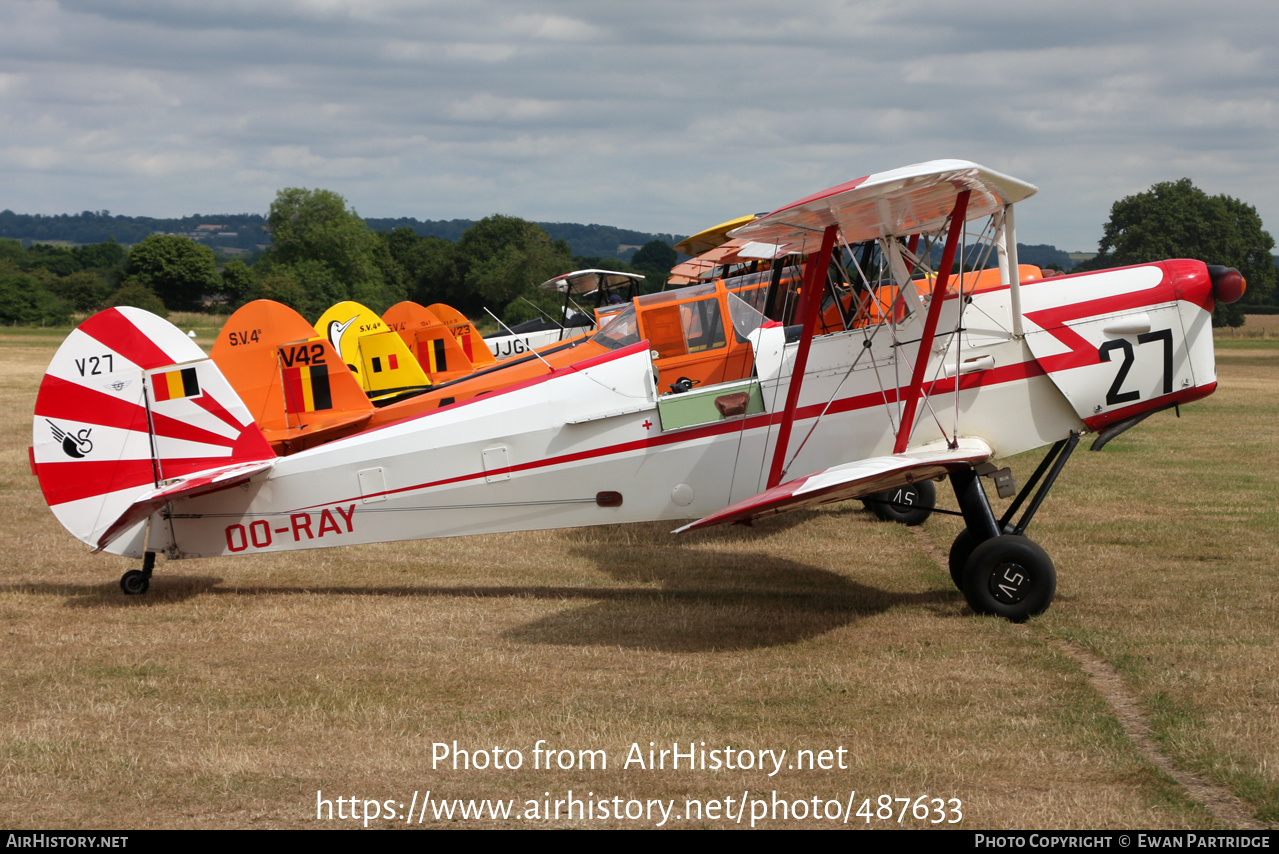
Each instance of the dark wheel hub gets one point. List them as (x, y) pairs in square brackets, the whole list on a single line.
[(134, 583), (1010, 583), (1009, 576)]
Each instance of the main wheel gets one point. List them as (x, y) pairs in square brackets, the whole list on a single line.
[(1010, 577), (960, 551), (907, 505), (134, 582)]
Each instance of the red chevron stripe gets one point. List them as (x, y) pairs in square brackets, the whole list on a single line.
[(63, 399), (114, 331)]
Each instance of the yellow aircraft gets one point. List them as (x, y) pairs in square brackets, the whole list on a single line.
[(374, 352)]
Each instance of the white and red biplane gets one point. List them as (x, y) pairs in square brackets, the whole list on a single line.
[(142, 447)]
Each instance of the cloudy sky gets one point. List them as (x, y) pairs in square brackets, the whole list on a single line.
[(659, 116)]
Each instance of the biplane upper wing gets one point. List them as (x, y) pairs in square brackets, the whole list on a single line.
[(708, 239), (590, 281), (852, 480), (909, 200)]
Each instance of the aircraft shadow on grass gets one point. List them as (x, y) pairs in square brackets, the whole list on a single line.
[(705, 601), (713, 601)]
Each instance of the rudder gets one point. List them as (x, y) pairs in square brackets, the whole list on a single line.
[(130, 404)]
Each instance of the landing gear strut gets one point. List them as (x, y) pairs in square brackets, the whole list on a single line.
[(136, 581), (999, 570)]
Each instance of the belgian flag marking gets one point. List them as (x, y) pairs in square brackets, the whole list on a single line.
[(176, 385), (306, 389)]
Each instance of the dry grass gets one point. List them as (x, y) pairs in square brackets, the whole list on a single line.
[(236, 689), (1255, 326), (1172, 538)]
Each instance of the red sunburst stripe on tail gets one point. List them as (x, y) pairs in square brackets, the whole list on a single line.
[(70, 401), (72, 481), (115, 332), (216, 409)]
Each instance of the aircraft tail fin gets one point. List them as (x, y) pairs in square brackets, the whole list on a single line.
[(129, 406), (295, 385), (430, 340), (374, 353), (470, 339)]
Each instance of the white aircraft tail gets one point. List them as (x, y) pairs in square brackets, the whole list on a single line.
[(131, 414)]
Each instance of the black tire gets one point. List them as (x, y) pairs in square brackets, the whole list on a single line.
[(960, 551), (907, 505), (1010, 577), (134, 583)]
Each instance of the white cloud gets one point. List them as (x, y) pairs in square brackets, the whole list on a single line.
[(666, 116)]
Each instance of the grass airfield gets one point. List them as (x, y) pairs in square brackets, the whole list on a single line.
[(237, 689)]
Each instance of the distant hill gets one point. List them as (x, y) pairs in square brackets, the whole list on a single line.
[(239, 232), (235, 232), (1045, 255), (600, 241)]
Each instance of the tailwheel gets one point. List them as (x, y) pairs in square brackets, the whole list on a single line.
[(135, 582), (908, 505), (1009, 576)]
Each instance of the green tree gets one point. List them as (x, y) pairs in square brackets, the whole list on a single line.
[(429, 265), (55, 259), (25, 300), (12, 250), (84, 290), (655, 260), (314, 227), (1176, 219), (239, 284), (134, 294), (108, 255), (281, 286), (502, 258), (178, 270)]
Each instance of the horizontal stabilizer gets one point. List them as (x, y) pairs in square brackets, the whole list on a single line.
[(188, 486), (851, 480)]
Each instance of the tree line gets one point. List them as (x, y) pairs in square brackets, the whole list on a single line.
[(241, 232), (321, 252)]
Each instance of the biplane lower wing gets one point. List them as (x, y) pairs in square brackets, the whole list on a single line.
[(851, 480)]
